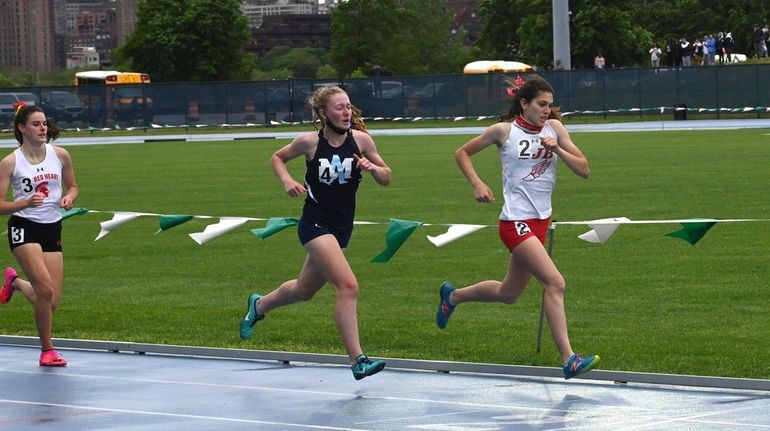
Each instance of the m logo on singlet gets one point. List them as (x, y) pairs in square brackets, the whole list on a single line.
[(329, 172)]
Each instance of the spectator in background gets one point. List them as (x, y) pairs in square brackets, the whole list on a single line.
[(710, 49), (697, 52), (655, 53), (599, 61), (685, 52), (727, 46), (763, 47), (720, 40), (377, 81), (758, 39), (672, 53)]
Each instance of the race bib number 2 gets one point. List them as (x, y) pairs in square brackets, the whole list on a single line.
[(522, 228)]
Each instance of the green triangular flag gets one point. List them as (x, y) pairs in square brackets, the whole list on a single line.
[(398, 232), (171, 220), (274, 225), (692, 232), (65, 214)]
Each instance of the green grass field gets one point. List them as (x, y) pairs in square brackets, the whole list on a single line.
[(643, 301)]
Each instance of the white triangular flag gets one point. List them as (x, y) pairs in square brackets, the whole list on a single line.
[(454, 232), (226, 224), (118, 219), (602, 229)]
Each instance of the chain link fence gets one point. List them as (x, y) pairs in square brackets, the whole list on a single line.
[(642, 92)]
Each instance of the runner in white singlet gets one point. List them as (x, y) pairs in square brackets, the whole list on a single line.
[(39, 174), (529, 145)]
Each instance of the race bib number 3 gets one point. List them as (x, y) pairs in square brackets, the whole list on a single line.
[(17, 235)]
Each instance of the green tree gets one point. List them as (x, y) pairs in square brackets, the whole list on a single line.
[(326, 72), (303, 62), (523, 30), (5, 81), (607, 27), (405, 37), (188, 40), (498, 36)]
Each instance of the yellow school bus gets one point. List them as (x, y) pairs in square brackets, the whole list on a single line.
[(115, 96)]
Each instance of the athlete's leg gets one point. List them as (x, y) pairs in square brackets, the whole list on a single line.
[(32, 261), (54, 261), (309, 281), (330, 260), (25, 288), (506, 291), (532, 256)]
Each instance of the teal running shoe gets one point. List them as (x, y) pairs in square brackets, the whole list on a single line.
[(252, 317), (578, 364), (445, 309), (365, 367)]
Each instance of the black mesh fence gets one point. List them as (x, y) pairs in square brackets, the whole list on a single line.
[(717, 90)]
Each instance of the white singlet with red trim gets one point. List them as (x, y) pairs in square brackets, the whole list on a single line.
[(529, 174), (44, 177)]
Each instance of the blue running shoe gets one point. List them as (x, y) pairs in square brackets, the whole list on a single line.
[(252, 317), (445, 309), (365, 367), (578, 364)]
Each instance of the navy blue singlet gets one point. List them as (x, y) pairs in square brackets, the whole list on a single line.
[(332, 179)]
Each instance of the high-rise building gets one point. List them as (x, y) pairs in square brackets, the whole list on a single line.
[(26, 35), (294, 31), (255, 11), (91, 23), (125, 19)]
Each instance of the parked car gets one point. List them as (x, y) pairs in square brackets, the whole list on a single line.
[(131, 104), (7, 100), (63, 106), (6, 108)]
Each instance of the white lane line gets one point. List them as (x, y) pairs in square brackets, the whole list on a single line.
[(178, 415), (686, 418)]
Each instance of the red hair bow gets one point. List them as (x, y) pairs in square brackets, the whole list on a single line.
[(517, 84), (18, 106)]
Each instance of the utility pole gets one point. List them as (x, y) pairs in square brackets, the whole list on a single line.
[(561, 48)]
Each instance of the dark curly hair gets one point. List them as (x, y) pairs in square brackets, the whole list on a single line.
[(22, 115)]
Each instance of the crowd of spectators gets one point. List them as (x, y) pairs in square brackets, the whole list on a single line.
[(707, 51)]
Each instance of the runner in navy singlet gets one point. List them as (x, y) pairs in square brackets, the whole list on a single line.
[(335, 157)]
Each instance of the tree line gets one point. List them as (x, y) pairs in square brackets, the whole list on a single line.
[(203, 40)]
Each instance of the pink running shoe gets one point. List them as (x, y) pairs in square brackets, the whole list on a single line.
[(6, 292), (51, 358)]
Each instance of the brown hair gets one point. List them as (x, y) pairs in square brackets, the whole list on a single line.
[(22, 115), (527, 90), (321, 97)]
